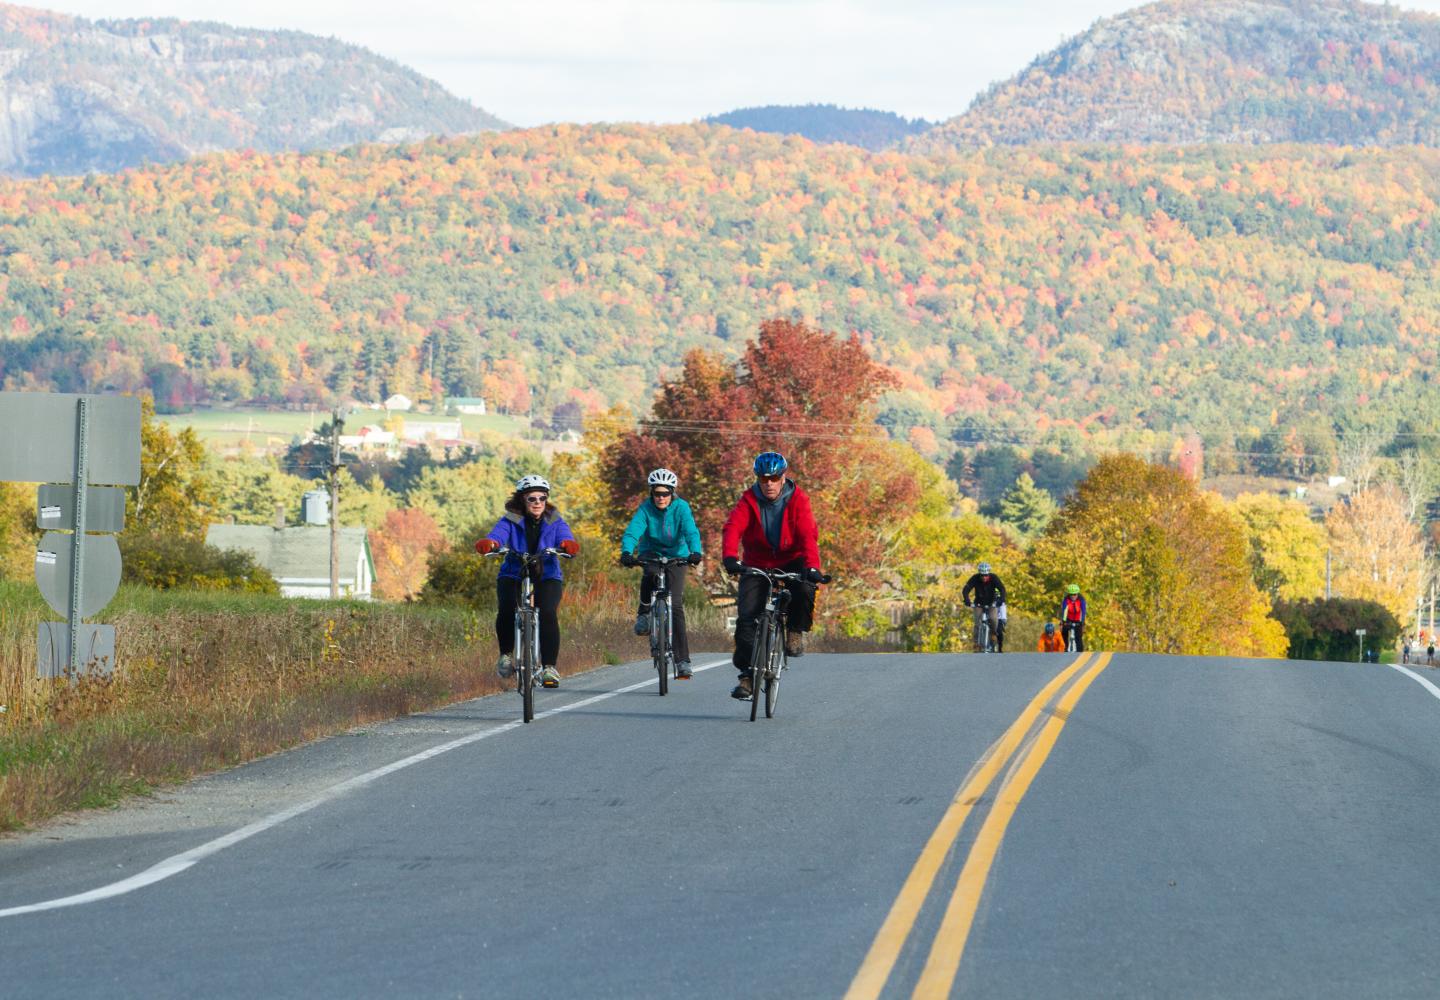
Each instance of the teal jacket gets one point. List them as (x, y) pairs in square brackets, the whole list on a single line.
[(671, 532)]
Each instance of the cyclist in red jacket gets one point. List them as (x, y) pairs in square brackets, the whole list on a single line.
[(773, 524)]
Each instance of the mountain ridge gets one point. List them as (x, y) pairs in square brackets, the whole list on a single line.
[(867, 128), (1339, 72), (78, 95)]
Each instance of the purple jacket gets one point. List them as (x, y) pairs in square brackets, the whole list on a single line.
[(509, 531)]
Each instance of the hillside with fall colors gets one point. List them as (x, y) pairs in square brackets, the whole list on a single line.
[(1097, 291), (1251, 71), (78, 95)]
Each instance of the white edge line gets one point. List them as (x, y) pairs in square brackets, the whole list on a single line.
[(178, 863), (1404, 670)]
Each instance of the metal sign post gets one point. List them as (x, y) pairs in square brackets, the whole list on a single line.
[(1360, 634), (56, 438)]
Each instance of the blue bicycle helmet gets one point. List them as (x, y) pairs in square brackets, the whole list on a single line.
[(770, 463)]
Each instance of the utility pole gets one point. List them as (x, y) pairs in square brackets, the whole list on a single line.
[(337, 423)]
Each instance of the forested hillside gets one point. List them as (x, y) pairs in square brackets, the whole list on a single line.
[(78, 95), (864, 127), (1098, 291), (1254, 71)]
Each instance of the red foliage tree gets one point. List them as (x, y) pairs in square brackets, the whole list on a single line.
[(797, 390)]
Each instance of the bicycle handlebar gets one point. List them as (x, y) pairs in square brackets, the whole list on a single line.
[(527, 557), (776, 574)]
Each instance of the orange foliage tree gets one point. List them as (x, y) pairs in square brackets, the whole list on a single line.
[(402, 549)]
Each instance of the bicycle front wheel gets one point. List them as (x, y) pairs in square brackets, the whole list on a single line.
[(526, 672), (764, 636), (659, 629)]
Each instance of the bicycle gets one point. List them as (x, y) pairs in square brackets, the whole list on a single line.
[(1070, 642), (768, 660), (526, 650), (662, 620), (984, 636)]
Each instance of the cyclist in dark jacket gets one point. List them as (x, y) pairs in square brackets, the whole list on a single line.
[(985, 593)]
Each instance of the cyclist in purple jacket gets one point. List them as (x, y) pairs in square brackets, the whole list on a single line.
[(530, 524)]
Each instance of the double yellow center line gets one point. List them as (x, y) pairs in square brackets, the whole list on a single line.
[(949, 944)]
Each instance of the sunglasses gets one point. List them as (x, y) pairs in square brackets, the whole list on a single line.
[(537, 498), (771, 479), (662, 493)]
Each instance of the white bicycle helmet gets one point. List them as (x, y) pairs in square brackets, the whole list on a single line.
[(984, 569), (528, 483), (663, 477)]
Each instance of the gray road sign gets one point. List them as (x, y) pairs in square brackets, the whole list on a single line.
[(37, 438), (104, 508), (101, 571), (95, 652)]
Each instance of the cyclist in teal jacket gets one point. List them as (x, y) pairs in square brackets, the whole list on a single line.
[(663, 526)]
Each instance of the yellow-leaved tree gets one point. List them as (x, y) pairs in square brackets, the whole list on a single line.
[(1378, 552), (1287, 548), (1164, 567)]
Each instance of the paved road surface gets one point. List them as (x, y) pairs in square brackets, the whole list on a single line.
[(1163, 827)]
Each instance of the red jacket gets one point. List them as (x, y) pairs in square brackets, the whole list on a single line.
[(799, 538)]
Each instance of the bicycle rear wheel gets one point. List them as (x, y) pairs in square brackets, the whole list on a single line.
[(659, 632), (764, 636), (772, 679)]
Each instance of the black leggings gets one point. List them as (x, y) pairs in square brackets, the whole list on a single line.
[(675, 579), (547, 599)]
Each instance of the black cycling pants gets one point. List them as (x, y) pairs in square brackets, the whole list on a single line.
[(547, 599), (1079, 629), (750, 604), (675, 580)]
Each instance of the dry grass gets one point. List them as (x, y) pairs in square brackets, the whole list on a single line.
[(210, 680)]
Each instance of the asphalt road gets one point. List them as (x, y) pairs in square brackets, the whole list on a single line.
[(1163, 827)]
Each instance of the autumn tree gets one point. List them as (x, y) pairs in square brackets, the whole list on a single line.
[(1378, 553), (1321, 629), (18, 531), (1164, 567), (402, 548), (176, 494), (1287, 547)]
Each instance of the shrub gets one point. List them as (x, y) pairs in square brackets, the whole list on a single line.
[(167, 562), (1321, 629)]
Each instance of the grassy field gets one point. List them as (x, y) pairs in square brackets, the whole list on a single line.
[(269, 430), (208, 680)]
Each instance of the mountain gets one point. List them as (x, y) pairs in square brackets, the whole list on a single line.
[(79, 95), (861, 127), (1249, 71), (1103, 293)]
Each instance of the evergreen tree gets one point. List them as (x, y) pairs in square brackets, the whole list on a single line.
[(1025, 507)]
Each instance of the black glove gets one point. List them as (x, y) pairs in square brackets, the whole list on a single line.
[(693, 559), (732, 565), (628, 559), (814, 575)]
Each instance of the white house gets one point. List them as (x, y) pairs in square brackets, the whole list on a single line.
[(299, 558), (473, 405), (369, 436), (398, 402), (431, 430)]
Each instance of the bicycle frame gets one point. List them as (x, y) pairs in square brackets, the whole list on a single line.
[(984, 631), (768, 659)]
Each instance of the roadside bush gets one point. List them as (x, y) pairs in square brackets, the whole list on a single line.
[(167, 562), (1325, 630)]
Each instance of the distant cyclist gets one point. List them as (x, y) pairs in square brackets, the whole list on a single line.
[(663, 526), (773, 524), (1002, 622), (530, 524), (1072, 615), (1050, 640), (984, 592)]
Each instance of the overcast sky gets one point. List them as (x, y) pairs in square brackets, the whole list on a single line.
[(537, 61)]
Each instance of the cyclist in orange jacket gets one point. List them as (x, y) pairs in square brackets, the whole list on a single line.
[(1050, 640)]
